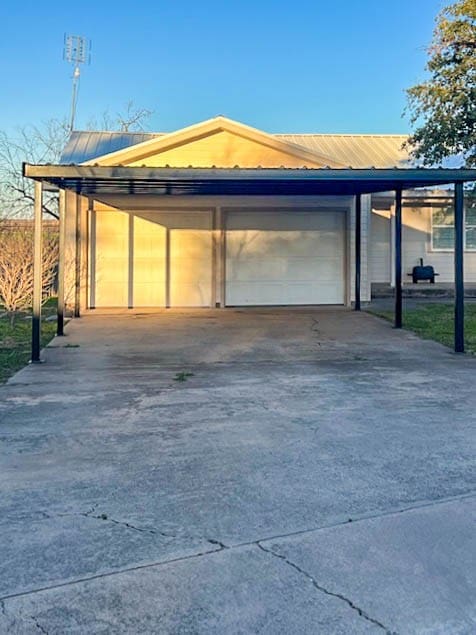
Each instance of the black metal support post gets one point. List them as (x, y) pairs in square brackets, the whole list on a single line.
[(37, 274), (398, 259), (459, 275), (77, 274), (61, 272), (358, 249)]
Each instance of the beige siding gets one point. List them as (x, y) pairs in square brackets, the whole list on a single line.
[(379, 246), (191, 260), (417, 244), (112, 259), (226, 150), (150, 266), (84, 252), (416, 236), (74, 206), (69, 246)]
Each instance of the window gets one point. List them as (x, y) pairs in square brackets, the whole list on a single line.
[(470, 228), (443, 228)]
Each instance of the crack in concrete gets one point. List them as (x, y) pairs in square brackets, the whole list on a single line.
[(123, 523), (158, 531), (14, 620), (221, 547), (105, 517), (322, 589), (154, 531), (109, 574), (359, 518), (38, 625), (217, 542)]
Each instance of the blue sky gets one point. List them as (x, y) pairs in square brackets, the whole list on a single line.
[(303, 66)]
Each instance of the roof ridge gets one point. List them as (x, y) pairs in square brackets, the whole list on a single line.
[(338, 134), (129, 132), (274, 134)]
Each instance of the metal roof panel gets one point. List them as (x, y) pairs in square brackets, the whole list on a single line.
[(357, 151), (84, 145)]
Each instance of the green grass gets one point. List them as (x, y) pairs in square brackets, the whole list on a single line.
[(15, 339), (436, 322)]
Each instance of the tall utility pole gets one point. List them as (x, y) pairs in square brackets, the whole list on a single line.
[(77, 51)]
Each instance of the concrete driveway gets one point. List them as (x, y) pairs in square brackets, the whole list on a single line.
[(313, 475)]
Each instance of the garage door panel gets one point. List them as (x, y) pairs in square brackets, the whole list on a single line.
[(243, 244), (311, 269), (284, 258), (243, 294), (282, 220), (246, 244), (262, 268)]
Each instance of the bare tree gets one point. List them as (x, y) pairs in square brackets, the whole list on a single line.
[(31, 144), (130, 119), (44, 144), (133, 118), (16, 262)]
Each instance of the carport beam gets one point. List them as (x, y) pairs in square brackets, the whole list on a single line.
[(358, 249), (398, 258), (37, 274), (459, 271)]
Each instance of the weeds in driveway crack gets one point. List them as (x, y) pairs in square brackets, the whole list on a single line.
[(182, 376), (322, 589)]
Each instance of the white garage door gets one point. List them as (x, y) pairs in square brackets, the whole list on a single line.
[(283, 258)]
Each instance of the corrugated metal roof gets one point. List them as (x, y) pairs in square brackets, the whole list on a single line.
[(86, 145), (357, 151)]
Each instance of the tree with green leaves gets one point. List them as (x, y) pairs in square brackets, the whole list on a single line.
[(443, 108)]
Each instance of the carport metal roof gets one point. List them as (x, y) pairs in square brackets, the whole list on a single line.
[(96, 180)]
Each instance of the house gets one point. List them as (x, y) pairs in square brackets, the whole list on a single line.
[(221, 214), (191, 251)]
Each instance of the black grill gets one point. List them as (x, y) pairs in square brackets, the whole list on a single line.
[(423, 272)]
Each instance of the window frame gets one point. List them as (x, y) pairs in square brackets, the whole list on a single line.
[(433, 248), (469, 226)]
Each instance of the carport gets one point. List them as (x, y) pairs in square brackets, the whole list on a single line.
[(94, 181)]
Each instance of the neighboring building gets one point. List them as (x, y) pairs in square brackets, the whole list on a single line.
[(141, 250)]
